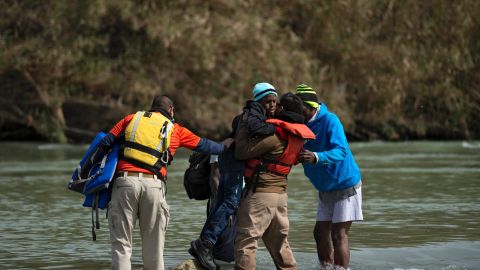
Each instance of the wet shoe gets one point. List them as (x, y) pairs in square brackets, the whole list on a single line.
[(192, 252), (202, 250)]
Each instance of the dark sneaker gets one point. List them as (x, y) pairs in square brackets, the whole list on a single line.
[(192, 251), (202, 250)]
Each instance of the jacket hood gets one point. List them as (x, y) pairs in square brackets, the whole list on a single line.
[(252, 105), (320, 114)]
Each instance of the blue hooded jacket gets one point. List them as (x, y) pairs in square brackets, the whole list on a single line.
[(336, 168)]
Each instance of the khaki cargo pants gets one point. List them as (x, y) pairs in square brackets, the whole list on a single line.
[(263, 215), (138, 196)]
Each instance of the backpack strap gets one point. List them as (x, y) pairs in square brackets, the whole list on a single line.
[(95, 215)]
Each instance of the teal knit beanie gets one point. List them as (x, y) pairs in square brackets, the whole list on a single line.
[(263, 89)]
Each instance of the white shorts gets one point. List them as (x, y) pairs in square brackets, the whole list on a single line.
[(349, 209)]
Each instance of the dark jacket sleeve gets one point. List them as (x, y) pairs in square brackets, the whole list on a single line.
[(247, 148), (256, 120), (209, 147)]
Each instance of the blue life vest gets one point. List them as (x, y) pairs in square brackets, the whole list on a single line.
[(96, 185)]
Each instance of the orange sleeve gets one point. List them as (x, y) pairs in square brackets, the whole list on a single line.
[(182, 137), (121, 125)]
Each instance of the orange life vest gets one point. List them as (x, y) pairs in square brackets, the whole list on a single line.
[(294, 135)]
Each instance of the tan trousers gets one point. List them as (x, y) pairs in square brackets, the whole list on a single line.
[(263, 215), (142, 198)]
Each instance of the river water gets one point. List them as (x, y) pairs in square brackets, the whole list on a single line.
[(421, 209)]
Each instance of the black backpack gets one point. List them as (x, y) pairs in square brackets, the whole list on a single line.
[(197, 177)]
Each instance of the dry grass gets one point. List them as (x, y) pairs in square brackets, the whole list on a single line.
[(390, 69)]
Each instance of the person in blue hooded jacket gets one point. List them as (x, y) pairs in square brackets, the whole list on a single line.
[(330, 166)]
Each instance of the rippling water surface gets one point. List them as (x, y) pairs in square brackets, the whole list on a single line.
[(421, 208)]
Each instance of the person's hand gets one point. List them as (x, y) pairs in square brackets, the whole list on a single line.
[(307, 156), (228, 142)]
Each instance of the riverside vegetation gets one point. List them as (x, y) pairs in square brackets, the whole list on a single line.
[(392, 70)]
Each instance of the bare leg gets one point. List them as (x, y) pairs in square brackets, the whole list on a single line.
[(322, 232), (340, 243)]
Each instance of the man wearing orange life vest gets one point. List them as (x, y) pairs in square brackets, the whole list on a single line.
[(263, 209), (148, 140)]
